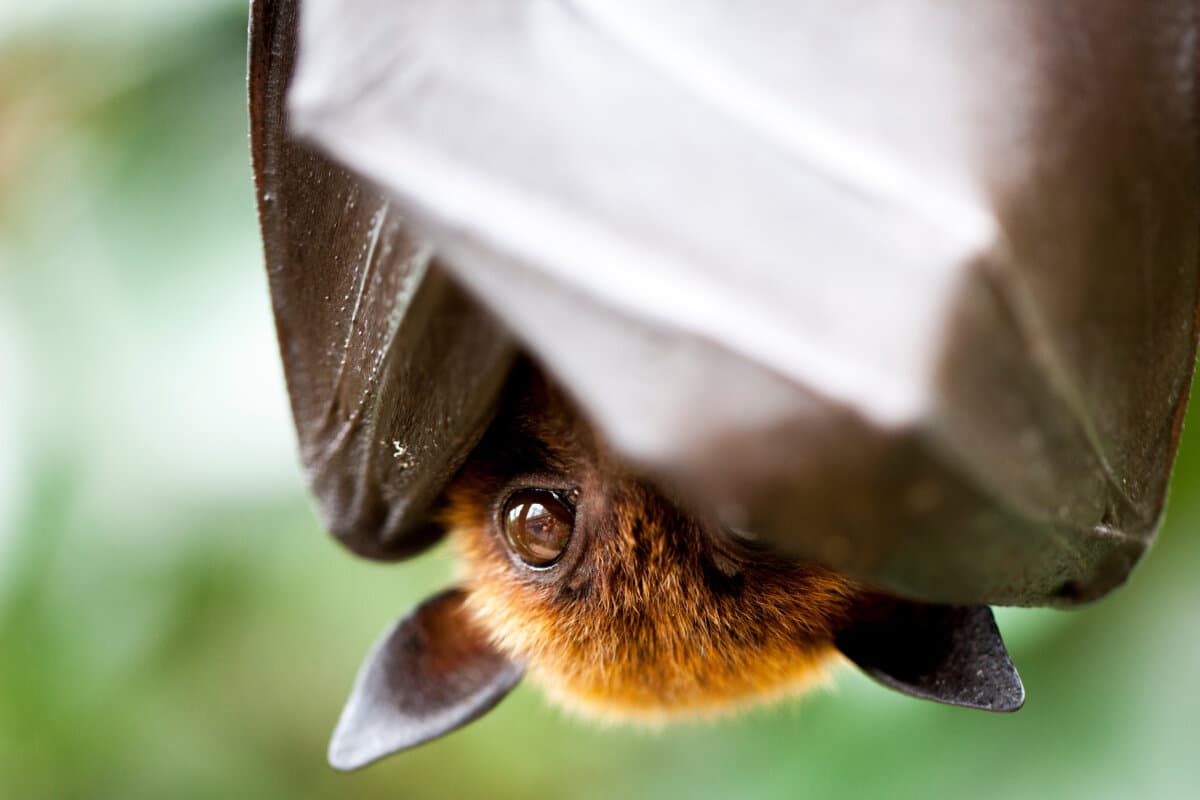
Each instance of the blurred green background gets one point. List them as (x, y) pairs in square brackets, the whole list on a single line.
[(174, 623)]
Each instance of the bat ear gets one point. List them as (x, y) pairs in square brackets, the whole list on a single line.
[(432, 673), (951, 654)]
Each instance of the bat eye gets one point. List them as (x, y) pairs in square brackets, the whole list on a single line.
[(537, 526)]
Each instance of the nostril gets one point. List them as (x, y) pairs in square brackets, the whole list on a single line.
[(1070, 590)]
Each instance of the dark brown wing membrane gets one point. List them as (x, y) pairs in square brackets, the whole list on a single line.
[(391, 369), (1042, 386), (903, 304)]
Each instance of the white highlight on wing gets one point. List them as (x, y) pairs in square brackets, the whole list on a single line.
[(615, 272), (831, 151)]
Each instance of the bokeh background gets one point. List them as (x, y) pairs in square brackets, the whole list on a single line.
[(173, 621)]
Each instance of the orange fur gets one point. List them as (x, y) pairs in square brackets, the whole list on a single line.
[(653, 613)]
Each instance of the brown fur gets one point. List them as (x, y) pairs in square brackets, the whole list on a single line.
[(652, 612)]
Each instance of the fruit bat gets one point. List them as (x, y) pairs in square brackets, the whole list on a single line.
[(725, 337)]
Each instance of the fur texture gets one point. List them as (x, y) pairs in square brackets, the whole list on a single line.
[(652, 612)]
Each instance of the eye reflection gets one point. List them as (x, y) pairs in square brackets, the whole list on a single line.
[(537, 526)]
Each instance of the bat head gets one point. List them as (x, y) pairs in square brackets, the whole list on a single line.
[(625, 605), (621, 604)]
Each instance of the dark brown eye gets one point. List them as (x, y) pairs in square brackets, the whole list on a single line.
[(537, 526)]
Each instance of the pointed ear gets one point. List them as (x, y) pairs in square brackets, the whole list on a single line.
[(432, 673), (951, 654)]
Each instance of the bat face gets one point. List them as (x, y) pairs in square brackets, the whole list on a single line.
[(619, 603), (624, 605)]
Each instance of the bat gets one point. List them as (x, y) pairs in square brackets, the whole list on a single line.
[(937, 365)]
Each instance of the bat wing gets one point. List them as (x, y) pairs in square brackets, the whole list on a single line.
[(909, 288), (392, 370)]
